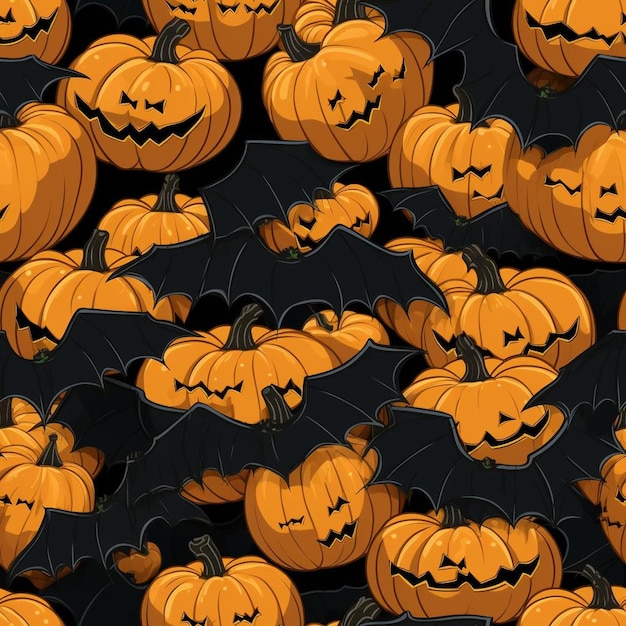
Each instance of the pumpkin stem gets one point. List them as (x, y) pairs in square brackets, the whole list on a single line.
[(8, 121), (364, 610), (475, 368), (50, 456), (323, 194), (205, 550), (240, 336), (489, 279), (6, 413), (323, 322), (164, 49), (280, 414), (93, 252), (603, 596), (452, 517), (297, 49), (346, 10), (165, 202), (621, 419)]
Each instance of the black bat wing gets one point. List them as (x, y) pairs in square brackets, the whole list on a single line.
[(94, 342), (115, 418), (596, 376), (332, 404), (421, 450), (270, 179), (496, 229), (24, 80), (66, 539), (346, 268), (121, 10), (325, 606), (406, 619)]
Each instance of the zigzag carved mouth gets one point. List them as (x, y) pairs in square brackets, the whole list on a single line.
[(151, 132), (36, 332), (366, 116), (480, 172), (450, 345), (308, 241), (346, 531), (608, 522), (292, 522), (266, 8), (221, 393), (496, 196), (552, 31), (182, 8), (42, 25), (619, 213), (568, 335)]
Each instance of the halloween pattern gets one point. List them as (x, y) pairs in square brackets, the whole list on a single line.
[(312, 313)]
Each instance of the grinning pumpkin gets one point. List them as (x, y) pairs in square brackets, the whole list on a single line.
[(352, 206), (436, 564), (564, 36), (140, 565), (573, 198), (345, 336), (486, 397), (599, 604), (363, 611), (30, 483), (436, 146), (326, 513), (215, 488), (25, 609), (548, 82), (38, 301), (367, 84), (228, 367), (43, 198), (233, 30), (221, 592), (151, 103)]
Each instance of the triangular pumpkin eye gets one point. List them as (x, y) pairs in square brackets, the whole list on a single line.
[(612, 189), (446, 561), (505, 418), (619, 497)]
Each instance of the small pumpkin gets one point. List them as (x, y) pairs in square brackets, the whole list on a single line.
[(437, 146), (39, 299), (140, 565), (152, 104), (548, 82), (25, 609), (228, 367), (432, 565), (367, 83), (326, 513), (221, 592), (600, 604), (215, 488), (364, 610)]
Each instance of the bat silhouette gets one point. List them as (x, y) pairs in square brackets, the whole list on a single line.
[(270, 179), (496, 229), (421, 450), (121, 10), (94, 342), (407, 619), (346, 268)]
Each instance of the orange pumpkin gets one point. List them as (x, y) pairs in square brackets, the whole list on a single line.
[(151, 103), (486, 398), (621, 318), (38, 301), (440, 563), (232, 31), (364, 610), (564, 36), (140, 565), (367, 84), (215, 488), (38, 27), (43, 198), (221, 592), (25, 609), (548, 82), (436, 146)]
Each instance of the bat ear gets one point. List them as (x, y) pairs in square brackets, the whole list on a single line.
[(280, 414), (364, 610), (590, 488)]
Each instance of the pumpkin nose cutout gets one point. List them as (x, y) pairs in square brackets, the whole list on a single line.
[(446, 561), (8, 18), (503, 418)]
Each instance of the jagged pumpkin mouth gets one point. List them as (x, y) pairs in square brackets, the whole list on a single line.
[(42, 25), (347, 531), (552, 31), (363, 116)]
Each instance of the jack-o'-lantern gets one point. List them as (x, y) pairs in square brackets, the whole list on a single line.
[(435, 564), (151, 103), (25, 609), (436, 146)]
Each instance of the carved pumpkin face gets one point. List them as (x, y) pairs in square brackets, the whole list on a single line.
[(564, 36), (158, 116), (425, 564), (325, 515), (232, 30), (39, 27)]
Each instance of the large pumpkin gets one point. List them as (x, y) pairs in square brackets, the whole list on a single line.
[(573, 198), (38, 301), (48, 178), (436, 146), (228, 367), (440, 563), (151, 103), (231, 30), (367, 84), (25, 609), (564, 36), (221, 592), (486, 397)]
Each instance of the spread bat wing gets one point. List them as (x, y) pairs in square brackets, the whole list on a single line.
[(115, 418), (421, 450), (121, 10), (325, 606), (496, 229), (332, 404), (406, 619), (594, 377), (94, 342), (271, 178)]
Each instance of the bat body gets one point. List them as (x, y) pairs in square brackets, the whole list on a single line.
[(496, 229), (121, 10)]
